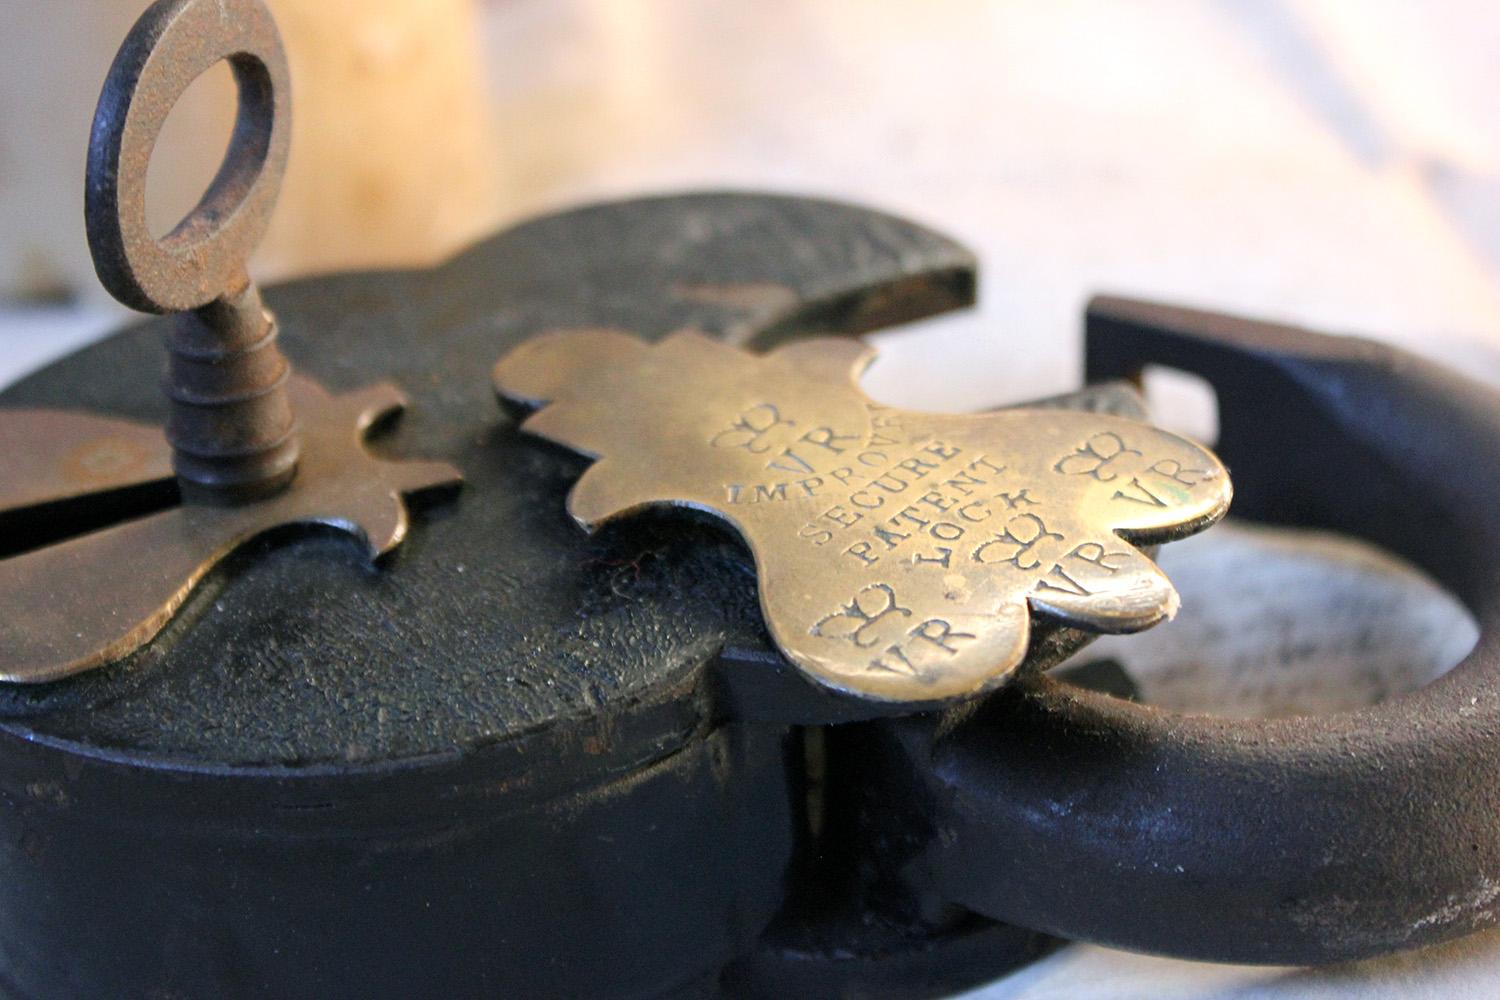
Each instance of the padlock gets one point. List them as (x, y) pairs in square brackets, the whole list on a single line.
[(717, 678)]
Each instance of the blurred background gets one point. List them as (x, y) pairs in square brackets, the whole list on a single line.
[(1334, 163)]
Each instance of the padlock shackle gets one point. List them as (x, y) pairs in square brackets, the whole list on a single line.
[(1296, 840)]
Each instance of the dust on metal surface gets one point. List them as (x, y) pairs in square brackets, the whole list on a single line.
[(245, 464), (900, 555)]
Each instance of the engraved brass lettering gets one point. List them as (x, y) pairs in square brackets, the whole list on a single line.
[(901, 555)]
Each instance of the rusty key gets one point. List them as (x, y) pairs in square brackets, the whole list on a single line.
[(253, 446), (901, 555), (231, 426)]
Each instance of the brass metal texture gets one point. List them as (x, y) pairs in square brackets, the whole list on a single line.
[(900, 555), (91, 599), (232, 426), (49, 456)]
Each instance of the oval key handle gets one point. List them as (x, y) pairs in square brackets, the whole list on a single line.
[(901, 556), (231, 425), (204, 257)]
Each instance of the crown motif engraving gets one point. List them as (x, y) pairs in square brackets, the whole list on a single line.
[(901, 555)]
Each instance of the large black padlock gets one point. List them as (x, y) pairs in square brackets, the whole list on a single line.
[(515, 759)]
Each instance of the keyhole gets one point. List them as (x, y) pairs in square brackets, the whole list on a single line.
[(192, 144)]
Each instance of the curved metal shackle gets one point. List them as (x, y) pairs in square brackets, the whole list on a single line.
[(204, 257), (1296, 840)]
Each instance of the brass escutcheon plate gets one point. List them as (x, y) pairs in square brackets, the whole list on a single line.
[(900, 555), (90, 600)]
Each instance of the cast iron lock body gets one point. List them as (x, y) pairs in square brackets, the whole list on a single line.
[(508, 764), (521, 762)]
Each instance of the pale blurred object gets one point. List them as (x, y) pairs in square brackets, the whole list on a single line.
[(393, 151)]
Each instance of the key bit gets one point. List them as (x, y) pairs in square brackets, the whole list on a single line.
[(900, 555), (253, 447)]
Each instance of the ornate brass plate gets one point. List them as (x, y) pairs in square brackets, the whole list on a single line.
[(900, 555)]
